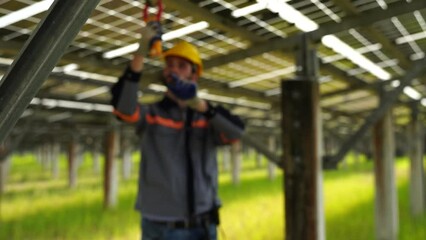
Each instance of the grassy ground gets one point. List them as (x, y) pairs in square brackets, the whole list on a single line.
[(36, 207)]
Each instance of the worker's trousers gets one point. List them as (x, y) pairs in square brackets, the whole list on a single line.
[(154, 231)]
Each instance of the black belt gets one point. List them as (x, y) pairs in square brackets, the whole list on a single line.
[(200, 220)]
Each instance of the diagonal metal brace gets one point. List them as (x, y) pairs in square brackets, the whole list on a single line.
[(277, 159), (386, 102), (38, 57)]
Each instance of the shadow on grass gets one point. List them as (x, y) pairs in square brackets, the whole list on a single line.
[(250, 188), (49, 187), (354, 224), (260, 185)]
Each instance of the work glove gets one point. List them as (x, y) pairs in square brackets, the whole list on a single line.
[(150, 41)]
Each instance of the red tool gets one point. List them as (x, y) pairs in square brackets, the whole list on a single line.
[(156, 46)]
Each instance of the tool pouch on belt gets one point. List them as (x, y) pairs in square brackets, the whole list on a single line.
[(215, 218)]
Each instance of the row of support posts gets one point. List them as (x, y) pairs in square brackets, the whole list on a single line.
[(304, 213), (386, 200), (48, 155), (232, 159), (386, 210)]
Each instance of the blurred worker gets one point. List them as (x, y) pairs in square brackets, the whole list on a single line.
[(178, 185)]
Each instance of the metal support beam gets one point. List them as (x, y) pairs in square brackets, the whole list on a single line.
[(302, 151), (388, 101), (263, 149), (38, 57), (301, 159)]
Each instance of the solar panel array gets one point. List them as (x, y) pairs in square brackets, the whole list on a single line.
[(249, 85)]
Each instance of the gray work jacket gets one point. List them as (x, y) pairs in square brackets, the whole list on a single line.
[(170, 142)]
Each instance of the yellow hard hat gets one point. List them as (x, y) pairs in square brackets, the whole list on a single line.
[(187, 51)]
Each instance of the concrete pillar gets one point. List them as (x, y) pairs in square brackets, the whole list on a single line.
[(386, 205), (95, 156), (271, 166), (424, 186), (402, 142), (226, 158), (344, 162), (258, 159), (126, 151), (424, 175), (329, 145), (250, 154), (4, 173), (38, 153), (110, 171), (72, 163), (45, 153), (236, 162), (244, 152), (368, 151), (55, 150), (79, 153), (357, 159), (417, 203)]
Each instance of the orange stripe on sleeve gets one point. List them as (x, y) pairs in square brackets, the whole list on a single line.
[(164, 121), (202, 123), (226, 140), (128, 118)]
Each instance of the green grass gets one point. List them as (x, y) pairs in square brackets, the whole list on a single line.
[(36, 207)]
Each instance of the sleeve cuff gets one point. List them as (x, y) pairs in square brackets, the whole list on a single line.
[(132, 76), (211, 111)]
